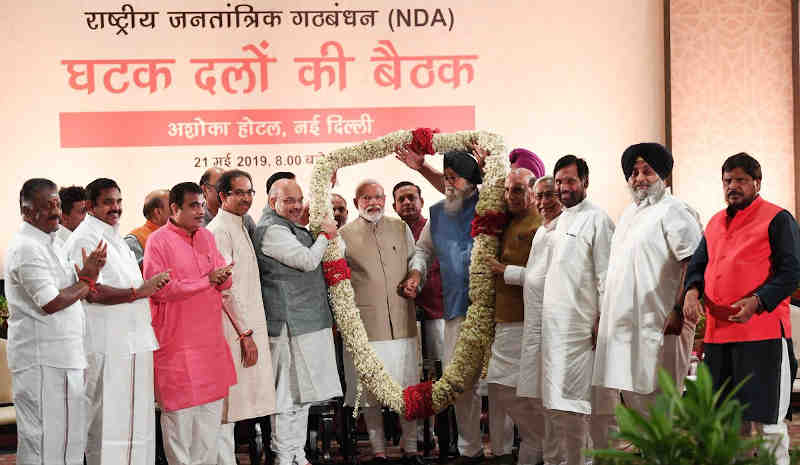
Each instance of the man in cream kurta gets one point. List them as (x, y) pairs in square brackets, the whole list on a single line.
[(298, 317), (119, 338), (253, 395), (641, 327), (378, 253), (571, 309)]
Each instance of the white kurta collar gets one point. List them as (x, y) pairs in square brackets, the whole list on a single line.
[(37, 234), (230, 218)]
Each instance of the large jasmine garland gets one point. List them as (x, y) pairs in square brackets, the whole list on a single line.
[(477, 331)]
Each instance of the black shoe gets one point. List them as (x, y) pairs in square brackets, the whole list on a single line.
[(379, 461), (507, 459), (466, 460), (413, 460)]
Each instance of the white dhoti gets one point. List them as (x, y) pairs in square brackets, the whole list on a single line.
[(401, 361), (190, 434), (467, 405), (51, 415), (121, 409), (675, 359), (304, 368), (505, 407)]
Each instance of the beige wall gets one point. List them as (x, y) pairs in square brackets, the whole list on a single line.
[(557, 77), (731, 84)]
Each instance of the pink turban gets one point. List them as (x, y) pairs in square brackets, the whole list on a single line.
[(522, 158)]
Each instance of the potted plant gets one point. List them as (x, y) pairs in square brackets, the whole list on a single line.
[(700, 427)]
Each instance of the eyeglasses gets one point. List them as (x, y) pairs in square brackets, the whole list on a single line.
[(545, 195), (242, 193), (370, 198)]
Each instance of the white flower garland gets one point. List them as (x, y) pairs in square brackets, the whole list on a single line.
[(477, 331)]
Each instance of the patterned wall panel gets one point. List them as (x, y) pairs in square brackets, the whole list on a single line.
[(731, 84)]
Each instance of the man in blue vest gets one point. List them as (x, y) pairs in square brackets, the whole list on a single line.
[(447, 238)]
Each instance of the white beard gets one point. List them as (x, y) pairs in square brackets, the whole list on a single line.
[(454, 198), (373, 217), (654, 192)]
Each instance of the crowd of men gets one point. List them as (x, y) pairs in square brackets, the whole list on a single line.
[(218, 318)]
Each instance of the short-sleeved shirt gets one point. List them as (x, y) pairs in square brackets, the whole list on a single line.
[(36, 270)]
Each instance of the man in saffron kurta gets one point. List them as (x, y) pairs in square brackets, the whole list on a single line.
[(156, 213), (503, 371), (746, 268), (193, 365), (245, 323), (378, 252)]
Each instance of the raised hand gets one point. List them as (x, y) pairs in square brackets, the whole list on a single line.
[(479, 153), (411, 158), (329, 227), (93, 263)]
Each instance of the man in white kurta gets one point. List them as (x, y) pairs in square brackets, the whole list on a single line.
[(45, 332), (532, 279), (298, 317), (571, 309), (641, 324), (119, 338), (253, 395)]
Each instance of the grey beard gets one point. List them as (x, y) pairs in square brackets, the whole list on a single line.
[(454, 198), (654, 192), (370, 217)]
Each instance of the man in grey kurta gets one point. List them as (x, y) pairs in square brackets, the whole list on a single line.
[(298, 315)]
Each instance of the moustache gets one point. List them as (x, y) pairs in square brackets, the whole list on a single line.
[(735, 193), (54, 217), (115, 212)]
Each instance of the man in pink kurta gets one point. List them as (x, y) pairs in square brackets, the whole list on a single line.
[(193, 367)]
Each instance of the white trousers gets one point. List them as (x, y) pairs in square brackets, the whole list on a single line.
[(373, 417), (468, 404), (505, 410), (226, 445), (289, 430), (51, 415), (190, 434), (121, 409)]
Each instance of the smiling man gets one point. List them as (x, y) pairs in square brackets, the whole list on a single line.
[(745, 269), (571, 311), (299, 317), (378, 253), (245, 326), (642, 327), (120, 340), (46, 330), (193, 365)]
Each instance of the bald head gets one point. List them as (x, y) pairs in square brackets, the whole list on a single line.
[(208, 182), (519, 191), (286, 198), (156, 207)]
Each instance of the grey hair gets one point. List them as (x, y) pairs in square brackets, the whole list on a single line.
[(547, 178)]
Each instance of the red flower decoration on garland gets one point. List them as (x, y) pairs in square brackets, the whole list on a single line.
[(336, 271), (491, 223), (418, 400), (422, 141)]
